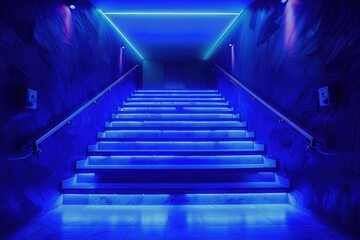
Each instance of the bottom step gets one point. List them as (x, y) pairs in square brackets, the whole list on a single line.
[(169, 199)]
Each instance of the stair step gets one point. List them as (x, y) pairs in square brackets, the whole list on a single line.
[(176, 135), (175, 99), (176, 110), (192, 125), (160, 159), (180, 95), (177, 104), (83, 165), (175, 199), (71, 186), (173, 175), (164, 116), (93, 151), (177, 91), (174, 128)]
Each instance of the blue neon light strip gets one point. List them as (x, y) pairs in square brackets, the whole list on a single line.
[(212, 49), (174, 13), (121, 34)]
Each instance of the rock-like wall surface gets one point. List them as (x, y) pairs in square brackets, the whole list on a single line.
[(285, 53), (68, 56)]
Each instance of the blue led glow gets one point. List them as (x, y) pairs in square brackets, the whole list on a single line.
[(121, 34), (174, 13), (167, 199), (212, 49), (88, 174), (216, 43)]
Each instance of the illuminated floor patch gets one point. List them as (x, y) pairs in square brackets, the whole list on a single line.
[(262, 221)]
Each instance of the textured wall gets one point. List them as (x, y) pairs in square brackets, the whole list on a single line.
[(68, 56), (285, 53)]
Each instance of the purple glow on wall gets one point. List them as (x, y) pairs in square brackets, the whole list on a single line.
[(121, 60), (290, 31), (65, 13), (232, 58)]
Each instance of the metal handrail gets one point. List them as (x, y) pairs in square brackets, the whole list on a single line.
[(313, 140), (35, 144)]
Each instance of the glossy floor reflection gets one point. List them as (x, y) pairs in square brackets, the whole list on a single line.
[(275, 221)]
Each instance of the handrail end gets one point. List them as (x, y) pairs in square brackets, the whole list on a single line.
[(35, 148), (313, 144)]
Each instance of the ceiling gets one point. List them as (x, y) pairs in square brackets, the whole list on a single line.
[(174, 29)]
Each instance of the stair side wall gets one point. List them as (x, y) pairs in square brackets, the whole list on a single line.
[(285, 53), (68, 56)]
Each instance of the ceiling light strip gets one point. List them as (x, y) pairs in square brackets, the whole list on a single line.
[(121, 34), (212, 49)]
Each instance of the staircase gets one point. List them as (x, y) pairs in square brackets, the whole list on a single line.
[(175, 147)]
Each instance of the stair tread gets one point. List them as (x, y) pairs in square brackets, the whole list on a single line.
[(175, 108), (178, 122), (176, 90), (171, 128), (226, 185), (85, 165), (172, 104), (178, 150), (174, 119), (177, 95), (204, 100), (175, 114), (177, 160)]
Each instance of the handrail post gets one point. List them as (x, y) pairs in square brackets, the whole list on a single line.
[(35, 148), (313, 143)]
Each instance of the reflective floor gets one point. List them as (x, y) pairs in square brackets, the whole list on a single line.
[(275, 221)]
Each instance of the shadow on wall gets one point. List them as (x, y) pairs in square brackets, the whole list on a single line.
[(286, 53), (67, 56)]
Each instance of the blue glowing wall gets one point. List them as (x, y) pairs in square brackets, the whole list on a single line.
[(285, 53), (68, 56), (176, 74)]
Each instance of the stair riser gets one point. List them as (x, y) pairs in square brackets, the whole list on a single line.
[(174, 145), (171, 160), (174, 110), (166, 199), (177, 91), (178, 124), (176, 95), (176, 120), (176, 176), (172, 128), (165, 116), (173, 153), (176, 134), (175, 191), (184, 139), (175, 104), (194, 124), (141, 99)]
